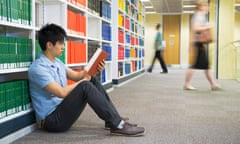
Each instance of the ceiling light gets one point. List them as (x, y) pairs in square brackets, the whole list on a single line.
[(148, 7), (189, 6), (145, 0), (188, 11), (237, 4), (150, 12)]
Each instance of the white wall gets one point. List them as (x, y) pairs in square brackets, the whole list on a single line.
[(150, 23), (184, 40)]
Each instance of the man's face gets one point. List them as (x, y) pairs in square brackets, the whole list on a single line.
[(57, 49)]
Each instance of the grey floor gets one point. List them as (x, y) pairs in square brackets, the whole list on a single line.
[(169, 114)]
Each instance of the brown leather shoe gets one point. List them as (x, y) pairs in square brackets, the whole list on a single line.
[(108, 127), (128, 130)]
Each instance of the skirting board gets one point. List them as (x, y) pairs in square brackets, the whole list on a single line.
[(18, 134)]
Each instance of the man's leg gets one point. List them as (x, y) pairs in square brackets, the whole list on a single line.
[(101, 89), (162, 62), (72, 106), (153, 61)]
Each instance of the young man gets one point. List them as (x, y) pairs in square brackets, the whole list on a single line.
[(58, 105)]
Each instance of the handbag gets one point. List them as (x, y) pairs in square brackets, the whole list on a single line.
[(204, 36)]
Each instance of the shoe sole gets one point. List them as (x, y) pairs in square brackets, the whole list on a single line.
[(107, 128), (128, 135), (190, 89)]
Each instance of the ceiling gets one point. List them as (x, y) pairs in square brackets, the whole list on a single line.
[(172, 6), (238, 5), (169, 6)]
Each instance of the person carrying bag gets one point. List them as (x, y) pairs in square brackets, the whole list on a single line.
[(202, 35), (205, 36)]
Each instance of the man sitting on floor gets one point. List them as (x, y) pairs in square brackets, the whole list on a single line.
[(58, 105)]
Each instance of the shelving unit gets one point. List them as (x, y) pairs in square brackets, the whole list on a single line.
[(128, 32), (17, 33), (89, 24), (88, 27), (99, 34)]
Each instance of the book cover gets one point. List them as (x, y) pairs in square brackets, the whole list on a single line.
[(97, 57)]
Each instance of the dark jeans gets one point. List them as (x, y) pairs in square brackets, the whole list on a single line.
[(158, 55), (87, 92)]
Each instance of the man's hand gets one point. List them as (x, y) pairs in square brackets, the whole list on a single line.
[(101, 66)]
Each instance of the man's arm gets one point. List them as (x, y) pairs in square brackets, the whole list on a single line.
[(76, 76), (60, 91), (79, 77)]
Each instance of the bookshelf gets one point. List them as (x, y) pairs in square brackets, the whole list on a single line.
[(17, 37), (128, 32), (89, 24), (99, 34)]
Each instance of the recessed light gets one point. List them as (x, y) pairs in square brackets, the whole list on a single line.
[(148, 7), (150, 12), (189, 6), (238, 4), (188, 11)]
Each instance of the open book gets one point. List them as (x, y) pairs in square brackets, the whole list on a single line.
[(93, 63)]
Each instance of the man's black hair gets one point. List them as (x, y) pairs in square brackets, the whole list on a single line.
[(158, 26), (51, 33)]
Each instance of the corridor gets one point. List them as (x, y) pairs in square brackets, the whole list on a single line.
[(169, 114)]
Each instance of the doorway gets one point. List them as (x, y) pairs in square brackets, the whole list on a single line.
[(171, 34)]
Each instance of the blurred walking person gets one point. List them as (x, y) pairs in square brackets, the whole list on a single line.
[(199, 26), (159, 47)]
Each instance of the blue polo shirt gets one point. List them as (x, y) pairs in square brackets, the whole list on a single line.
[(42, 72), (158, 39)]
